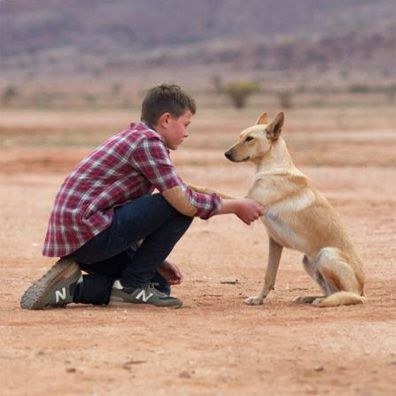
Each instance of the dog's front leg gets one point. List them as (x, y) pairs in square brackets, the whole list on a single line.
[(207, 190), (274, 255)]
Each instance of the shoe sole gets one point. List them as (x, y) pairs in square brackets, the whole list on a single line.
[(35, 296), (114, 301)]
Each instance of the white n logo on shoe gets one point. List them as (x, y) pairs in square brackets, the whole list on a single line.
[(60, 294), (142, 296)]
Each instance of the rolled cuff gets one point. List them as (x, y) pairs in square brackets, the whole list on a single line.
[(216, 204)]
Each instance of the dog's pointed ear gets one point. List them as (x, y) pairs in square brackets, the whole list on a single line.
[(263, 119), (274, 129)]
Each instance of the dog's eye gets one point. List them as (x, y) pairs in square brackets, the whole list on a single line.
[(249, 139)]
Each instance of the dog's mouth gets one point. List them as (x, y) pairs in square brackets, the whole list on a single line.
[(241, 160), (230, 157)]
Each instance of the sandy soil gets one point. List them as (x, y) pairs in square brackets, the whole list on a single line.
[(215, 344)]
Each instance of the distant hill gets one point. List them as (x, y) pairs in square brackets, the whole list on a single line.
[(59, 37)]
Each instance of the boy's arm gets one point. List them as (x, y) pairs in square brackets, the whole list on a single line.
[(246, 209), (177, 198), (152, 160)]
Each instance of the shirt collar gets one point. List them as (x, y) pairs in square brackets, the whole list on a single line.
[(145, 126)]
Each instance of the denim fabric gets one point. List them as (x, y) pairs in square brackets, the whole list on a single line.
[(110, 255)]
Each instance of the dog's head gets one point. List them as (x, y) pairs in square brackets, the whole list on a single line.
[(256, 141)]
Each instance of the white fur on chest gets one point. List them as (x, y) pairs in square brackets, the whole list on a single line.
[(278, 219)]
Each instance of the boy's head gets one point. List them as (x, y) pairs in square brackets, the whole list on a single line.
[(168, 110), (165, 99)]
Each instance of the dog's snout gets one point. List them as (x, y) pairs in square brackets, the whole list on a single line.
[(228, 154)]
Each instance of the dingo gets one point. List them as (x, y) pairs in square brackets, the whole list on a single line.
[(299, 217)]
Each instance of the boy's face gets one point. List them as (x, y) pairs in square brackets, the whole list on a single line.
[(174, 129)]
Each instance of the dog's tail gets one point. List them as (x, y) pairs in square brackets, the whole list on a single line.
[(342, 298)]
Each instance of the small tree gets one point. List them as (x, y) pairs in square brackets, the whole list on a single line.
[(285, 99), (217, 83), (9, 94), (391, 93), (239, 91), (116, 89)]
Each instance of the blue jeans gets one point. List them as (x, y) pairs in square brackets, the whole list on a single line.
[(110, 254)]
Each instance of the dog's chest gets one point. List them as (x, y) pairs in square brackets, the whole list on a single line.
[(283, 200), (278, 230), (280, 219)]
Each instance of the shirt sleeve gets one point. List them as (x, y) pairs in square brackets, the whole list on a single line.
[(151, 159)]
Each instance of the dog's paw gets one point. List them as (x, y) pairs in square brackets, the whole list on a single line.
[(304, 300), (317, 301), (299, 300), (254, 300)]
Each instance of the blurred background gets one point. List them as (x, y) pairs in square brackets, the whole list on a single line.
[(74, 72), (99, 53)]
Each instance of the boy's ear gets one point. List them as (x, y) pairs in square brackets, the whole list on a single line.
[(274, 129), (263, 119), (164, 119)]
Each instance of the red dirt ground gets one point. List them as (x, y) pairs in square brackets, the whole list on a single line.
[(215, 344)]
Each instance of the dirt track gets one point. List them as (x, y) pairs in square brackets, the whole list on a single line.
[(215, 344)]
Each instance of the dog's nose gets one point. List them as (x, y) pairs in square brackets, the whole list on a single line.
[(228, 154)]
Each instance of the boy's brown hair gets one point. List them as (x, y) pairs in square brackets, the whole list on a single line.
[(165, 99)]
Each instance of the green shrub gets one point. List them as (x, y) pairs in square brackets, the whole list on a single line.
[(285, 99), (359, 88), (9, 94), (239, 91)]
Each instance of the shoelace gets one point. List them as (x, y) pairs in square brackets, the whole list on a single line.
[(152, 289)]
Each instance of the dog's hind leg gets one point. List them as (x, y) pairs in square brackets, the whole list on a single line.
[(338, 279), (339, 298), (310, 268), (274, 255)]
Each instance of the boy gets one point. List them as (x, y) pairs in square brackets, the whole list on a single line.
[(107, 222)]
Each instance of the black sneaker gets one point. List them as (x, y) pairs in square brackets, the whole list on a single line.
[(146, 294), (55, 288)]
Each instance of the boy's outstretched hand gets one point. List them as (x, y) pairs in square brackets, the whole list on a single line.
[(248, 210), (171, 273)]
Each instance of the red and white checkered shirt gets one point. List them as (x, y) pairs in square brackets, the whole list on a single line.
[(125, 167)]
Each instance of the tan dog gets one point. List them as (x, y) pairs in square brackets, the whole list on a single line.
[(299, 217)]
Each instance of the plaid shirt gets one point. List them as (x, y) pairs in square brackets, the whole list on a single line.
[(126, 166)]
